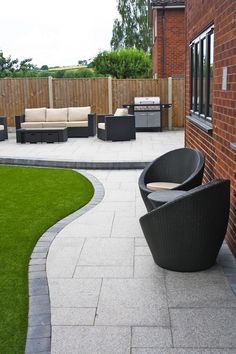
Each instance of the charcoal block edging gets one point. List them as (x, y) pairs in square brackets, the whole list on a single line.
[(99, 165), (39, 300)]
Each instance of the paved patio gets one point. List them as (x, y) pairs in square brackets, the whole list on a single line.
[(145, 148), (108, 296)]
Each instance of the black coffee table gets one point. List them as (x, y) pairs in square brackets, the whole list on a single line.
[(161, 197), (41, 135)]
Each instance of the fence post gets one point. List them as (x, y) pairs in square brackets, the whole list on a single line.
[(50, 92), (110, 95), (170, 121)]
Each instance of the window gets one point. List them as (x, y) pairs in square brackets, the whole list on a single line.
[(201, 75)]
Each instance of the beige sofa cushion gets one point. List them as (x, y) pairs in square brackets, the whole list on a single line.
[(82, 123), (35, 114), (121, 112), (54, 124), (78, 113), (156, 186), (101, 126), (56, 114), (1, 127), (31, 125)]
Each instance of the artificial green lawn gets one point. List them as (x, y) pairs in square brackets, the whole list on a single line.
[(31, 200)]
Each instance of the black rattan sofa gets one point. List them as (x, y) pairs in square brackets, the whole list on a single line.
[(78, 120), (181, 167), (3, 128), (186, 234)]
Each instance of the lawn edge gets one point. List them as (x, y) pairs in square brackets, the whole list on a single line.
[(39, 314)]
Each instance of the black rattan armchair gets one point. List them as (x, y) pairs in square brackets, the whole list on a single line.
[(114, 128), (183, 167), (3, 128), (186, 234)]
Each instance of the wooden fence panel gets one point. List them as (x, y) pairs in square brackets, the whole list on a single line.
[(178, 102), (16, 94), (81, 92)]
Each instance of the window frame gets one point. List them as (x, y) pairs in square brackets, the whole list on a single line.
[(200, 91)]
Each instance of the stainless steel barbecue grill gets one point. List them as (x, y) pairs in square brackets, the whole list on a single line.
[(148, 113)]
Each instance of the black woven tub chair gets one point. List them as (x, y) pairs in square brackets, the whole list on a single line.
[(117, 127), (180, 169), (186, 234), (3, 128)]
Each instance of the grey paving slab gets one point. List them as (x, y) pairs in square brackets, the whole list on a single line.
[(204, 327), (107, 251), (132, 302), (74, 292), (201, 289), (145, 267), (91, 340), (77, 229), (124, 226), (181, 351), (104, 272), (153, 337), (73, 316), (142, 251)]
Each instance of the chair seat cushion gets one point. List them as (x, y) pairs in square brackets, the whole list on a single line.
[(31, 125), (1, 127), (101, 126), (155, 186)]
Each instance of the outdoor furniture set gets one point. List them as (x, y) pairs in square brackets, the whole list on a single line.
[(3, 128), (186, 221), (57, 124)]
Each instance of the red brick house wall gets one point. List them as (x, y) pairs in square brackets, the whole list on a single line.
[(220, 156), (174, 37)]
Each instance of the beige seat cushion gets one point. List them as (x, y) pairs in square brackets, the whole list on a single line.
[(35, 114), (56, 114), (121, 112), (101, 126), (31, 125), (77, 124), (1, 127), (78, 113), (54, 124), (155, 186)]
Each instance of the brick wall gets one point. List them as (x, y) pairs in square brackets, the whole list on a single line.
[(174, 43), (220, 157)]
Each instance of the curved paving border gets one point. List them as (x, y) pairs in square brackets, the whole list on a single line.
[(102, 165), (39, 317)]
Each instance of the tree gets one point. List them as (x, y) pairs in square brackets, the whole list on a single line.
[(123, 63), (9, 67), (44, 67), (132, 29)]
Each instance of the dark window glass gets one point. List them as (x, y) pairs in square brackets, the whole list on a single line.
[(204, 76), (201, 80), (198, 75), (192, 79), (211, 73)]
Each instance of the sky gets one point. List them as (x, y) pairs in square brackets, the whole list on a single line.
[(56, 33)]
